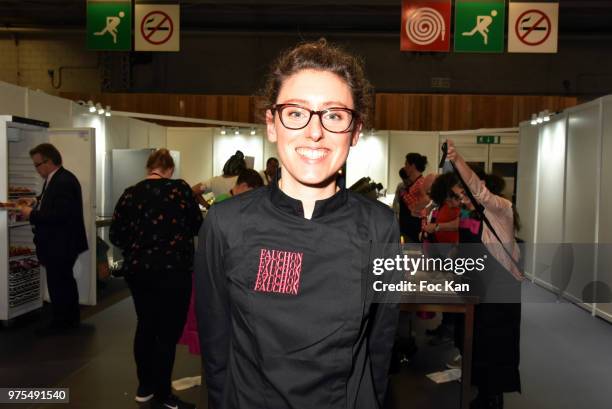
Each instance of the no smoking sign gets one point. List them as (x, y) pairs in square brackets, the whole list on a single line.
[(533, 27), (157, 27)]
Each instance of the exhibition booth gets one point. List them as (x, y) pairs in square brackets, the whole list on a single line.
[(564, 198)]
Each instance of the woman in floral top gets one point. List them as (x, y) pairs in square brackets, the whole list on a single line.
[(154, 224)]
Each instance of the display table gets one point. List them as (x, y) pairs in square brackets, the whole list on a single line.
[(448, 302)]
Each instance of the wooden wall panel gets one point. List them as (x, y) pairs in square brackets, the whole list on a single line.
[(425, 112), (415, 112)]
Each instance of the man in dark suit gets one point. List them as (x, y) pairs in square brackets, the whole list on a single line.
[(59, 232)]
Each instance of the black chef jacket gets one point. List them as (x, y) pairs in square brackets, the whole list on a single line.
[(285, 319)]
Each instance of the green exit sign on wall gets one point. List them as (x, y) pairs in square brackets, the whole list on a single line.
[(488, 139)]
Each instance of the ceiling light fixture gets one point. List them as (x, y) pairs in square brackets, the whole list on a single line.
[(91, 106)]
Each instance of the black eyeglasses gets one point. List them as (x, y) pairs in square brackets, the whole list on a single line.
[(36, 165), (336, 120)]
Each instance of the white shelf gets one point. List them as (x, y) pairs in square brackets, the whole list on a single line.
[(18, 224)]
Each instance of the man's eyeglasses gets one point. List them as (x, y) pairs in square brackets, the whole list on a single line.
[(336, 120), (36, 165)]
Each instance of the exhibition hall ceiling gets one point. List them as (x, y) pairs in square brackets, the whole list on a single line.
[(577, 17)]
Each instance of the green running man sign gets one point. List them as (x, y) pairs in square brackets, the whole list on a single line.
[(109, 25), (480, 26)]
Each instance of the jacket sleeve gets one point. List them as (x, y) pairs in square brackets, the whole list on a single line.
[(212, 307), (124, 218), (384, 323), (62, 208)]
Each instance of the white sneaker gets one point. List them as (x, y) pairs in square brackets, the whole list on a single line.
[(142, 395), (186, 383)]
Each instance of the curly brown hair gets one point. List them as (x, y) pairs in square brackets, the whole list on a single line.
[(322, 56)]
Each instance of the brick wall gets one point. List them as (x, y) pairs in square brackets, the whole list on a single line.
[(26, 63)]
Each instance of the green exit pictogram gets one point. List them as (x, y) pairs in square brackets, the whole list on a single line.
[(487, 139), (480, 26), (109, 25)]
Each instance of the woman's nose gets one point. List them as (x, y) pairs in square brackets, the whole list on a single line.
[(315, 129)]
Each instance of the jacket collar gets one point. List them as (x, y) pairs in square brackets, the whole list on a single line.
[(322, 207)]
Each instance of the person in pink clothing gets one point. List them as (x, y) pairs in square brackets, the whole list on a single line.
[(248, 179), (497, 319)]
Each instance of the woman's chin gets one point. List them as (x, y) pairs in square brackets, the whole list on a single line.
[(317, 180)]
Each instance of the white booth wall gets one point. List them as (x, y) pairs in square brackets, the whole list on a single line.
[(569, 214), (527, 189), (196, 147), (604, 267)]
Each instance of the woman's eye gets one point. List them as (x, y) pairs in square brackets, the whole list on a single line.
[(336, 115), (295, 114)]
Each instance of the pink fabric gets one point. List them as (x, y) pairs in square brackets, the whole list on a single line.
[(471, 224), (190, 336)]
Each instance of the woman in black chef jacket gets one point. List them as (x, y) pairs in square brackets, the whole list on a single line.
[(283, 318)]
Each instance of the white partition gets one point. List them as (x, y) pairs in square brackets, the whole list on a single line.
[(196, 148), (582, 190), (604, 270), (117, 132), (573, 198), (44, 107), (138, 134), (157, 136), (369, 158), (527, 189), (550, 196), (12, 100), (82, 118)]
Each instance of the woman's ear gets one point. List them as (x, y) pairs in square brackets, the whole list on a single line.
[(270, 128)]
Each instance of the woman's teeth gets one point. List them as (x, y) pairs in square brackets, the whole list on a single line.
[(312, 153)]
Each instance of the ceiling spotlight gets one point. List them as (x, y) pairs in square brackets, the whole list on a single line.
[(361, 134), (253, 131), (99, 108), (108, 111), (223, 131), (237, 131), (546, 115), (91, 106), (534, 119)]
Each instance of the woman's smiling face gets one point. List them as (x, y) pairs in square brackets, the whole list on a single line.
[(312, 156)]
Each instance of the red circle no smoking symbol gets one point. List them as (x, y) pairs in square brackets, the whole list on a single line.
[(533, 27), (156, 27)]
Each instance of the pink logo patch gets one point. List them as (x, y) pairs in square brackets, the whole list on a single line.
[(279, 272)]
